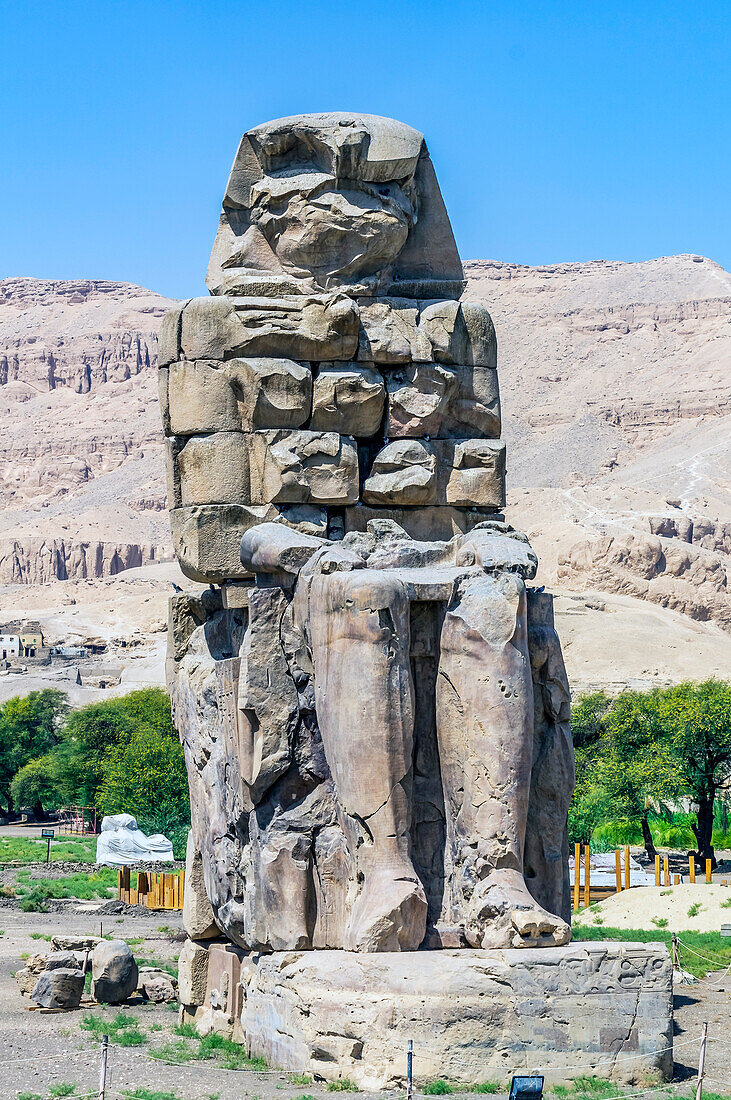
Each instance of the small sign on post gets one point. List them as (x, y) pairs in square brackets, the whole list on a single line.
[(48, 834)]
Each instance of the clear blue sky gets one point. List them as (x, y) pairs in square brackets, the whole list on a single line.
[(559, 130)]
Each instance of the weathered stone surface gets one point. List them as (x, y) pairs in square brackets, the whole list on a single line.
[(413, 471), (319, 327), (207, 537), (74, 943), (459, 332), (114, 972), (260, 468), (61, 987), (157, 985), (605, 1008), (305, 467), (168, 340), (238, 395), (433, 400), (420, 523), (347, 398), (198, 920), (390, 333), (193, 973), (290, 220)]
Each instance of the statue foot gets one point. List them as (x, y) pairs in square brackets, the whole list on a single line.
[(504, 914), (390, 913)]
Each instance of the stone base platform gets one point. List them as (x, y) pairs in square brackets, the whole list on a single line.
[(474, 1016)]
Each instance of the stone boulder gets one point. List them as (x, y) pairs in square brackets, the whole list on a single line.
[(59, 988), (157, 985), (114, 972)]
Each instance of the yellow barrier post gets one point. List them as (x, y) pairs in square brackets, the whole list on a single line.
[(676, 880), (657, 871), (618, 868), (626, 867), (577, 876), (691, 868), (666, 869), (587, 877), (708, 870)]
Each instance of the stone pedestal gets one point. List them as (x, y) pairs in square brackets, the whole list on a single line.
[(474, 1016)]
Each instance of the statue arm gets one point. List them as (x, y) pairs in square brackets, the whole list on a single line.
[(275, 548)]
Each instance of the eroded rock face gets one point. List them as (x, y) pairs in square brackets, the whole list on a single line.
[(373, 707)]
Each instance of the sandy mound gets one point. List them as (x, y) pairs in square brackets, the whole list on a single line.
[(638, 908)]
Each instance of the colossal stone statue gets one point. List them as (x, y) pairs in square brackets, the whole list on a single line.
[(372, 702)]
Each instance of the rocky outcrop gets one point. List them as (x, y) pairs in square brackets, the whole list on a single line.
[(39, 560), (667, 571)]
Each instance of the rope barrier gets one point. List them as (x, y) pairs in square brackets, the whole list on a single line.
[(46, 1058), (704, 957)]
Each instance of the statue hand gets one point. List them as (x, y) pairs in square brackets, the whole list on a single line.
[(274, 548), (339, 559)]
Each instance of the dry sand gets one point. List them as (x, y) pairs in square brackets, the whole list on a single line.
[(643, 906)]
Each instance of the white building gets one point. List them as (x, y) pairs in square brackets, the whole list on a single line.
[(9, 646)]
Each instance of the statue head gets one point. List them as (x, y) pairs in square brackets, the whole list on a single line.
[(319, 202)]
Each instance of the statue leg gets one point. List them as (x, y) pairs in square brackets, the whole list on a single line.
[(359, 633), (485, 729)]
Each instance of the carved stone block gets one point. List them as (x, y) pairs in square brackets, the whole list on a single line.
[(348, 398), (459, 332), (207, 538), (238, 395), (314, 327), (428, 523), (468, 473), (390, 332), (437, 401)]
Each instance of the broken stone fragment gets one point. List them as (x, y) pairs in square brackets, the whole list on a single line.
[(468, 473), (436, 401), (348, 398), (427, 524), (389, 332), (113, 971), (403, 472), (193, 973), (198, 919), (255, 468), (207, 537), (459, 332), (157, 985), (315, 327), (59, 988), (304, 467), (237, 395)]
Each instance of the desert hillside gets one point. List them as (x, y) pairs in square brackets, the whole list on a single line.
[(616, 392)]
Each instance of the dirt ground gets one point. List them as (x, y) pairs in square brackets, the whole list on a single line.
[(40, 1050)]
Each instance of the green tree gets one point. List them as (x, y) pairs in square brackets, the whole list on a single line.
[(30, 726), (696, 719), (145, 774), (587, 810), (636, 770)]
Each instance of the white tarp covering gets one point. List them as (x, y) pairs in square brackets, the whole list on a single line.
[(121, 843)]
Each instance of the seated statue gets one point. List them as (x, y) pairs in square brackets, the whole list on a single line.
[(372, 702)]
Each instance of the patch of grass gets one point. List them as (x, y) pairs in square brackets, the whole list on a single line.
[(300, 1079), (712, 945), (440, 1087), (726, 904), (29, 1096), (170, 966), (233, 1055), (488, 1087), (302, 1096), (665, 893), (122, 1029), (26, 850), (84, 885), (40, 936), (62, 1089), (148, 1094), (694, 909), (179, 1053), (188, 1032), (593, 1086), (661, 922)]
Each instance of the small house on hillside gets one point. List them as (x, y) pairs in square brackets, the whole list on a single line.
[(29, 638), (9, 646)]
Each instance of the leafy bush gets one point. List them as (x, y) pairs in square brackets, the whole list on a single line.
[(439, 1087)]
